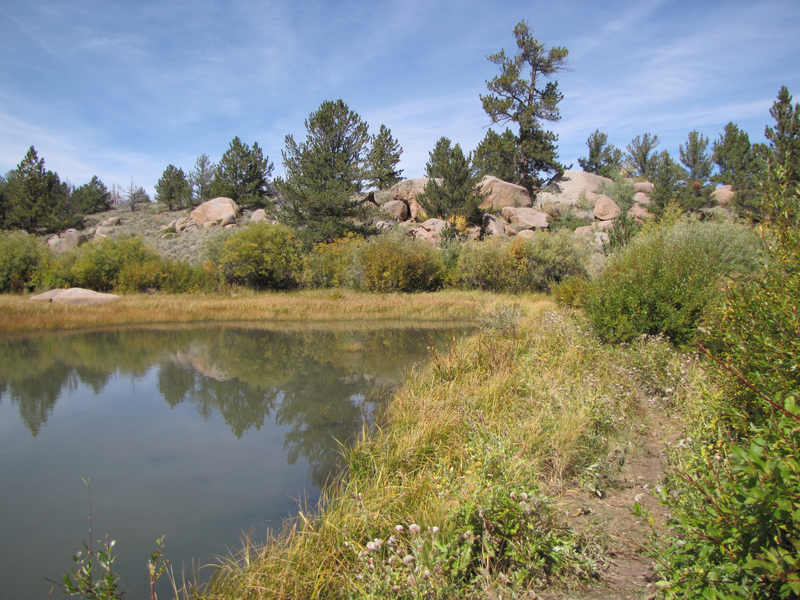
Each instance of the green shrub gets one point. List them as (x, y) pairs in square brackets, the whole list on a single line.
[(664, 279), (330, 264), (570, 290), (99, 263), (20, 255), (521, 265), (261, 256), (735, 526), (174, 277), (393, 262)]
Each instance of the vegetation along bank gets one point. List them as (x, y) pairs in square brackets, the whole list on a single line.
[(634, 433)]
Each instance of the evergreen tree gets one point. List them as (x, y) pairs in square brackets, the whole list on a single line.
[(697, 160), (36, 199), (3, 203), (91, 197), (172, 189), (528, 102), (604, 159), (667, 177), (496, 155), (458, 193), (738, 165), (785, 137), (382, 160), (243, 175), (324, 172), (200, 179), (641, 154)]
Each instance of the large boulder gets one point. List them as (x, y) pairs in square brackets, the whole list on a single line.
[(258, 215), (430, 231), (215, 211), (641, 198), (525, 217), (396, 209), (723, 195), (67, 240), (497, 194), (102, 232), (567, 188), (605, 208), (407, 191), (382, 197), (644, 187), (637, 211), (78, 296), (491, 225)]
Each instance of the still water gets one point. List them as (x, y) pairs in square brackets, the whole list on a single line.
[(196, 434)]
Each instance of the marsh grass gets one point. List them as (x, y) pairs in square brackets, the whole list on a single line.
[(18, 314), (456, 492)]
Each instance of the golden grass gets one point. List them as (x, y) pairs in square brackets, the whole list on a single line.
[(527, 410), (18, 314)]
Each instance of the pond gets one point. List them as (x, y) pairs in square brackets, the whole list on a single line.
[(196, 434)]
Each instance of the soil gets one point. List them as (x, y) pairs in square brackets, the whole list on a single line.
[(629, 572)]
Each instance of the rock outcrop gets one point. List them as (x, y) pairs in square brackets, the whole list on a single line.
[(605, 208), (643, 187), (525, 217), (77, 296), (430, 231), (491, 225), (723, 195), (215, 211), (498, 194), (67, 240), (396, 209), (567, 189), (407, 190)]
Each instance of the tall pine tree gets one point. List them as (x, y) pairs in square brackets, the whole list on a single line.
[(785, 136), (382, 160), (323, 173), (243, 175), (525, 94)]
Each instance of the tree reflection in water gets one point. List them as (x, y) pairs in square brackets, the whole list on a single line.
[(322, 385)]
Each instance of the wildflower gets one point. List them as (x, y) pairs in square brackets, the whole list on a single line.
[(398, 528), (524, 496), (513, 495), (435, 529), (408, 560), (392, 559), (467, 535), (414, 528), (426, 574), (378, 543)]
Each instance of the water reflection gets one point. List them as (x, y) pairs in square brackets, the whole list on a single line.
[(320, 384), (196, 433)]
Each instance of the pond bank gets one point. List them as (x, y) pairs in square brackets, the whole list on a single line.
[(17, 314)]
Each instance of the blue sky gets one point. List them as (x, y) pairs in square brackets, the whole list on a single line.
[(121, 89)]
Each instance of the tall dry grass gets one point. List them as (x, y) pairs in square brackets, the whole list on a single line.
[(511, 413), (18, 314)]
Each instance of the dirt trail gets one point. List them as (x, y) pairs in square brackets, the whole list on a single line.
[(629, 570)]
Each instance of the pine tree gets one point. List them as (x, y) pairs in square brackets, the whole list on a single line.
[(382, 160), (667, 177), (604, 159), (528, 102), (785, 137), (452, 188), (695, 157), (738, 165), (243, 175), (91, 197), (36, 199), (323, 173), (496, 155), (200, 179), (641, 154), (172, 189)]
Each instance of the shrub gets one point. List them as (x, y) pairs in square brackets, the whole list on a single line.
[(175, 277), (570, 290), (521, 265), (663, 281), (261, 256), (330, 264), (20, 255), (99, 263), (393, 262)]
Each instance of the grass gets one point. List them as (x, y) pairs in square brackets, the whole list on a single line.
[(18, 314), (479, 452)]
